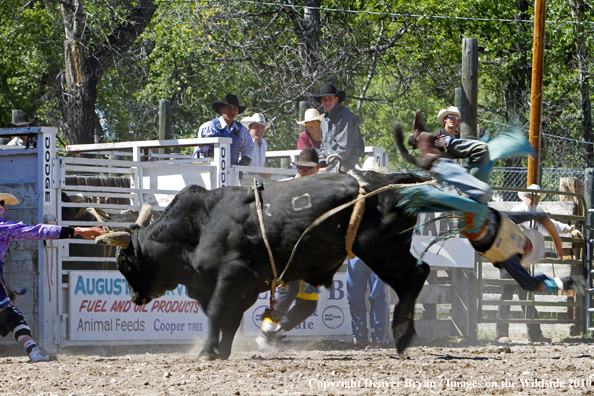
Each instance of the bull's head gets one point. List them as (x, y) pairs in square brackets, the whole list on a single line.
[(141, 280)]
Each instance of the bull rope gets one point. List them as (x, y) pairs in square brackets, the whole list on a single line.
[(354, 223), (337, 209), (275, 281)]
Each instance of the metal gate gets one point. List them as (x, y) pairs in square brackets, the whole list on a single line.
[(572, 306)]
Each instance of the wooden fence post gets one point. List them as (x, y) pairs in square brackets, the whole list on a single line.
[(164, 122), (469, 88)]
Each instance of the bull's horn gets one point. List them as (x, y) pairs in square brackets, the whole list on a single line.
[(116, 238), (144, 217), (76, 198)]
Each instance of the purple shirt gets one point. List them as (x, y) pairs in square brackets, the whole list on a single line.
[(305, 141), (18, 231)]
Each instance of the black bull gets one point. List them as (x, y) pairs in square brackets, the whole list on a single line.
[(210, 241)]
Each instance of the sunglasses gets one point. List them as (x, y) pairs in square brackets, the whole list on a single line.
[(306, 169), (452, 117)]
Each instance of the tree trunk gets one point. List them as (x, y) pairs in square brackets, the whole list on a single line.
[(577, 12), (86, 62), (311, 35), (307, 30)]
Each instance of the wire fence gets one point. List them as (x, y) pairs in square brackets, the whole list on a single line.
[(517, 178)]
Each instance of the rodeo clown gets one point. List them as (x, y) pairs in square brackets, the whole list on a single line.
[(11, 319), (495, 235)]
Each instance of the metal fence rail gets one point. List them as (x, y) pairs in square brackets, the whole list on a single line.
[(490, 286)]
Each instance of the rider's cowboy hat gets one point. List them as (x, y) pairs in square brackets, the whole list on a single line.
[(327, 90), (228, 100), (8, 199), (523, 194), (257, 118), (446, 112), (371, 164), (311, 115)]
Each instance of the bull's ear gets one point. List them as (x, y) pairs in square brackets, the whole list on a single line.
[(144, 217), (117, 238)]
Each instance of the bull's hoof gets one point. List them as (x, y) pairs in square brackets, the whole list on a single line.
[(206, 358), (403, 331), (403, 342), (399, 330), (206, 355)]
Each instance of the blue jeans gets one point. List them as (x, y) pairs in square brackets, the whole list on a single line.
[(477, 154), (427, 199), (358, 276)]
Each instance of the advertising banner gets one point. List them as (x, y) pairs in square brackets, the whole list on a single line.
[(100, 309), (331, 318)]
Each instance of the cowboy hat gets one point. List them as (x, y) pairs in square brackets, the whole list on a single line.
[(327, 90), (307, 157), (311, 115), (228, 100), (538, 248), (445, 112), (524, 194), (19, 120), (257, 118), (371, 165), (8, 199)]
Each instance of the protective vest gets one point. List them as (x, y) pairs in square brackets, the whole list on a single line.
[(234, 135), (509, 241)]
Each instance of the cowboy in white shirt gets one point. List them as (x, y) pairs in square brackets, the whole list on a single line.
[(256, 125), (530, 203)]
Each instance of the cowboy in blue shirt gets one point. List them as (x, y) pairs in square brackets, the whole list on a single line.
[(225, 126)]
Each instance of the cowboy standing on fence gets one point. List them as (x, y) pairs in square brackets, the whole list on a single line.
[(340, 130), (312, 137), (257, 125), (225, 126)]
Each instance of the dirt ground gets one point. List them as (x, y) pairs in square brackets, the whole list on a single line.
[(312, 369)]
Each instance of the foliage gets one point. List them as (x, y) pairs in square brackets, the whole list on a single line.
[(30, 55), (194, 52)]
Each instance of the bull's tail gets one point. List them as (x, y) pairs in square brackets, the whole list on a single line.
[(399, 140)]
